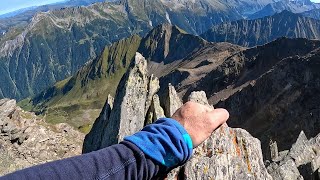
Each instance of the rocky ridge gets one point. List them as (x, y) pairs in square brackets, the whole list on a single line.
[(230, 153), (26, 140), (302, 161), (255, 32)]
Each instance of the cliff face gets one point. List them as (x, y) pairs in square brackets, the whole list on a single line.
[(230, 153), (261, 31), (26, 140)]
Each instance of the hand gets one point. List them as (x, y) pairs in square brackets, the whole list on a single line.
[(200, 120)]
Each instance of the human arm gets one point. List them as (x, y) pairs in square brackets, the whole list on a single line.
[(167, 139)]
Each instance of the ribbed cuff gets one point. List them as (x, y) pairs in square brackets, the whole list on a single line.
[(165, 141)]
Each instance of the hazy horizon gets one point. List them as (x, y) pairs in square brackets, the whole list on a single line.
[(7, 6)]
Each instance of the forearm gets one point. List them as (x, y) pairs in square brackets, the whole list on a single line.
[(121, 161), (156, 148)]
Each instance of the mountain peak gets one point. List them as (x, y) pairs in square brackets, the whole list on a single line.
[(161, 44)]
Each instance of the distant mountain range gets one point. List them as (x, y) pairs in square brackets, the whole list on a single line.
[(16, 12), (261, 31), (57, 43), (315, 13), (43, 8), (295, 6)]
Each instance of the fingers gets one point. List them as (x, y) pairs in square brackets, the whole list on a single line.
[(217, 117)]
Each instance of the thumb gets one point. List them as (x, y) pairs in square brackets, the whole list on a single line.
[(217, 117)]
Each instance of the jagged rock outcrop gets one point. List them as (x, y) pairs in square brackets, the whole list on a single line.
[(229, 153), (26, 140), (250, 33), (173, 102), (302, 161)]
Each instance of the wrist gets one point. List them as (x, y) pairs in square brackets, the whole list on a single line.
[(166, 141)]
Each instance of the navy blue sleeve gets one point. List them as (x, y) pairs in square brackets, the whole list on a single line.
[(166, 140)]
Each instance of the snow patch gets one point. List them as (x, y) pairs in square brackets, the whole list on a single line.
[(168, 18)]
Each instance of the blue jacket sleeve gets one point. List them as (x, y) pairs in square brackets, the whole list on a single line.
[(144, 155)]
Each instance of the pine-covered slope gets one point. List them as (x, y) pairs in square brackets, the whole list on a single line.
[(261, 31)]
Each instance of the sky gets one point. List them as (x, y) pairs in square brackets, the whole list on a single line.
[(12, 5)]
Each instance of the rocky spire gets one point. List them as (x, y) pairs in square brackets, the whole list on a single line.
[(134, 97)]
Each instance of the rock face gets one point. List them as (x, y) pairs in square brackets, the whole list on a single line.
[(26, 140), (302, 161), (126, 112), (93, 139), (229, 153), (133, 99), (261, 31)]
